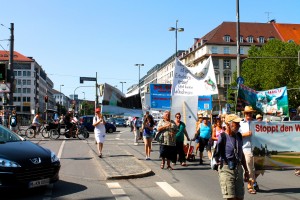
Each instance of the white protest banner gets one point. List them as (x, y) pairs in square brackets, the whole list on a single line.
[(187, 107), (194, 81)]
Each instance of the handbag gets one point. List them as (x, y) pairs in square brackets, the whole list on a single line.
[(213, 162)]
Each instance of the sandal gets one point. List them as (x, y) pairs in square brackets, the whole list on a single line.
[(183, 164), (250, 187), (169, 167), (162, 165)]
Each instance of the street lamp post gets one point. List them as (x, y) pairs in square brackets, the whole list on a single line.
[(139, 65), (176, 30), (83, 95), (122, 82), (60, 96), (83, 104)]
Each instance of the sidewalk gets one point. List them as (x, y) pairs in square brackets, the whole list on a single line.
[(117, 163)]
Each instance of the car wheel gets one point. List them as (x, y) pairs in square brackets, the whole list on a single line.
[(110, 130)]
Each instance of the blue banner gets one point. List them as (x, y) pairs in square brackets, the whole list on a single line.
[(160, 98), (205, 102)]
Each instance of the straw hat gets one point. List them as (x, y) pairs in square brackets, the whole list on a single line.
[(248, 109), (259, 116), (232, 118)]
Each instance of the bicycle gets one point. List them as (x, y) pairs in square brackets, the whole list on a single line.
[(29, 132), (21, 131), (82, 132)]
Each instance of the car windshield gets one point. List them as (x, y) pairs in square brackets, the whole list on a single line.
[(7, 136)]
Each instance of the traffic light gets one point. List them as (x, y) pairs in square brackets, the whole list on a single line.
[(46, 99), (2, 72)]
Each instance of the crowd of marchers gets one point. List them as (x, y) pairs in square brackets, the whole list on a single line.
[(226, 139)]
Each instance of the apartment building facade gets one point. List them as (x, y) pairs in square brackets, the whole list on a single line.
[(31, 86), (221, 44)]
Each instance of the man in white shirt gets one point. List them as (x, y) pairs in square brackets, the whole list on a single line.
[(247, 144)]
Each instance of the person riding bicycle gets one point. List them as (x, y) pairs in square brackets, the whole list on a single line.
[(36, 124), (69, 124)]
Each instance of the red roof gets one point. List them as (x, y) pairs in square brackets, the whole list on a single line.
[(256, 30), (288, 32), (4, 56)]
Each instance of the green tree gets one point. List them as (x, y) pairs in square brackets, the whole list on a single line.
[(262, 73)]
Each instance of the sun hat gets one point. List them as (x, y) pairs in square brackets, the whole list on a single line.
[(97, 110), (248, 109), (258, 116), (232, 118)]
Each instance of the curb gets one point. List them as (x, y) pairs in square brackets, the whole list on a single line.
[(110, 170)]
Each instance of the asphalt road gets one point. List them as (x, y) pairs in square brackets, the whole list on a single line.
[(82, 177)]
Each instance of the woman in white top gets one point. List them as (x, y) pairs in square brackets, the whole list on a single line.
[(100, 132)]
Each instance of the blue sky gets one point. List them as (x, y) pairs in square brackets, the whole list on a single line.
[(73, 39)]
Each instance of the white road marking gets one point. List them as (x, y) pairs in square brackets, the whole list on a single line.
[(113, 185), (117, 191), (169, 189), (122, 198), (61, 149)]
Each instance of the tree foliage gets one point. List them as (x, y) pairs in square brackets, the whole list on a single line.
[(279, 70)]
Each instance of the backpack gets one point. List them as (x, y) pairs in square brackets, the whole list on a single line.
[(13, 121)]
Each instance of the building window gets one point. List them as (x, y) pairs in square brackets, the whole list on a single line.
[(215, 63), (241, 39), (250, 39), (227, 77), (19, 73), (242, 50), (28, 82), (29, 73), (24, 73), (261, 39), (271, 38), (227, 38), (214, 50), (217, 74), (24, 82), (226, 64), (226, 50)]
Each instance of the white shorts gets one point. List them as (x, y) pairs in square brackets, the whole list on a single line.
[(100, 137)]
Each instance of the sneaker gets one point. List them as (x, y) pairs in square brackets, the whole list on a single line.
[(136, 143), (173, 163)]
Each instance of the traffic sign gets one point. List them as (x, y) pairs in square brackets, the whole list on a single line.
[(240, 80), (87, 79)]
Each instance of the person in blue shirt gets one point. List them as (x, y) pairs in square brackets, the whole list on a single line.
[(203, 134)]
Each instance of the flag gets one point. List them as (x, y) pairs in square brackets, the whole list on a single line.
[(194, 81)]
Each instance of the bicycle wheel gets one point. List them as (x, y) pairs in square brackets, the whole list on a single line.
[(21, 132), (29, 133), (54, 134), (45, 133), (81, 134)]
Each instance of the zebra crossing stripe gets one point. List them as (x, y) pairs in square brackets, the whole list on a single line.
[(169, 189)]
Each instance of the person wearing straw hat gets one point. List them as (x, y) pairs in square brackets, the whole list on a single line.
[(259, 117), (231, 160), (247, 147)]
